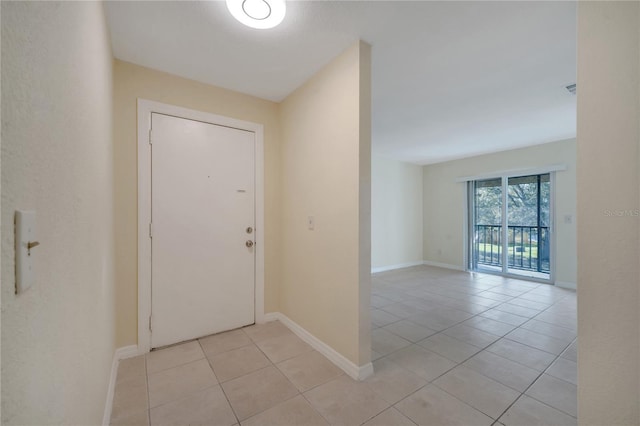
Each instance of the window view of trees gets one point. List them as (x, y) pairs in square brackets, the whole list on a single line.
[(528, 210), (522, 197), (488, 200), (523, 200)]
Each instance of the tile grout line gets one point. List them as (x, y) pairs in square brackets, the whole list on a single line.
[(146, 380), (226, 397), (541, 373), (500, 337), (536, 379), (273, 364), (410, 343), (314, 408)]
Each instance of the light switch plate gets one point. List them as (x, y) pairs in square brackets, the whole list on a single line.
[(24, 234)]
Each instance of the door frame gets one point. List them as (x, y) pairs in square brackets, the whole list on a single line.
[(145, 109)]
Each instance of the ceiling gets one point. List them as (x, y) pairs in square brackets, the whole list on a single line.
[(450, 79)]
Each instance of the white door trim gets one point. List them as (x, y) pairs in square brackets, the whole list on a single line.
[(145, 108)]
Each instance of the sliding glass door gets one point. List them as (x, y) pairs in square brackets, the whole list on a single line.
[(509, 230), (528, 210), (487, 230)]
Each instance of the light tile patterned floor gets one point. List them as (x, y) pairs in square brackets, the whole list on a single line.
[(449, 348)]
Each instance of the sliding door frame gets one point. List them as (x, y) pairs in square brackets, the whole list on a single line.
[(470, 224)]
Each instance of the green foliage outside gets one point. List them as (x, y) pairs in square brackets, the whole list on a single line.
[(485, 249), (522, 197), (523, 211)]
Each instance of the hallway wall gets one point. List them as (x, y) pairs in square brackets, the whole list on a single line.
[(326, 174), (608, 213), (132, 82), (396, 213), (58, 337)]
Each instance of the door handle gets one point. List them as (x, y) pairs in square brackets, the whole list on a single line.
[(249, 243)]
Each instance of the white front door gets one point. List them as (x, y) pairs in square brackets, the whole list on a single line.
[(203, 220)]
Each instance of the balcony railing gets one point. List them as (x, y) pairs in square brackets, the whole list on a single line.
[(528, 247)]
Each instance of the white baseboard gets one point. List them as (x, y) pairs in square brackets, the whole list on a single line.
[(566, 284), (271, 316), (443, 265), (392, 267), (356, 372), (119, 354)]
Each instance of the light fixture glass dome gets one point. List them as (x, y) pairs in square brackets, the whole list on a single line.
[(261, 14)]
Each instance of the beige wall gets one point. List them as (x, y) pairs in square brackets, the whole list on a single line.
[(444, 202), (396, 215), (326, 174), (132, 82), (57, 158), (364, 208), (608, 205)]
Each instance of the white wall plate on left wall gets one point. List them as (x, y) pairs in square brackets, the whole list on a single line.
[(26, 244)]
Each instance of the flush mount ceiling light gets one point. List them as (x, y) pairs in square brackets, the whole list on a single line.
[(261, 14)]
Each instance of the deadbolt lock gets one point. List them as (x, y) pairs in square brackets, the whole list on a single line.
[(249, 230), (249, 243)]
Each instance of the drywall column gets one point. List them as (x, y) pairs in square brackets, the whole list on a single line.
[(57, 158), (364, 211), (608, 213), (325, 127)]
